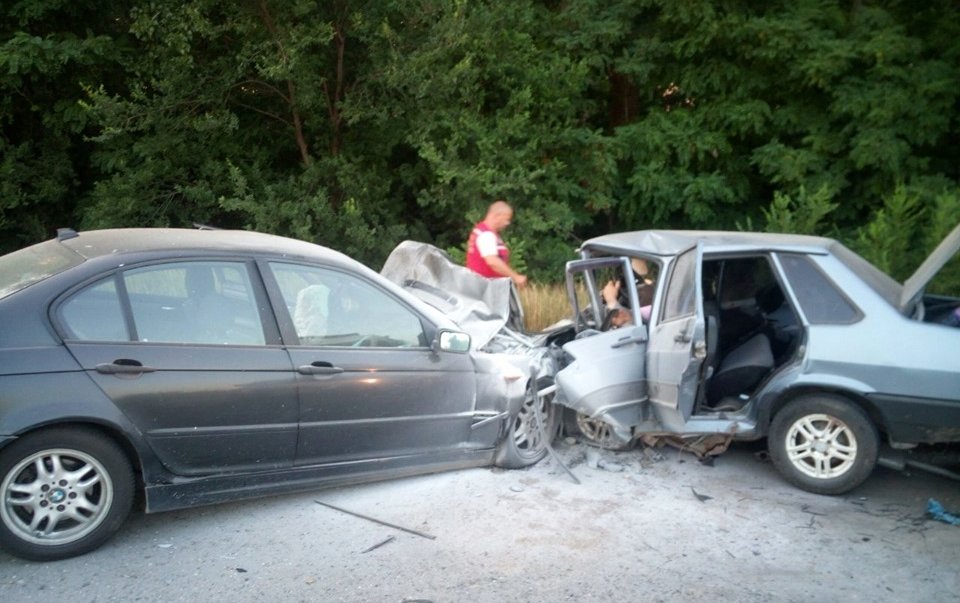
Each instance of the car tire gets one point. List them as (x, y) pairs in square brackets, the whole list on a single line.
[(524, 442), (823, 444), (63, 492)]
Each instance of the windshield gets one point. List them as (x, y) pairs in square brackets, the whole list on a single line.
[(33, 264)]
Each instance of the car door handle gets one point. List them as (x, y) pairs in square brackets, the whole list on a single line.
[(123, 366), (319, 368), (627, 341), (682, 338)]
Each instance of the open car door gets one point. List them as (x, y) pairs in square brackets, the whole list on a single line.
[(677, 345), (605, 378)]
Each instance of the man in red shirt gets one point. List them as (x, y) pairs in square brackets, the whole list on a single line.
[(487, 254)]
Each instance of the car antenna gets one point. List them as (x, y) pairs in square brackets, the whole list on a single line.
[(66, 233), (200, 226)]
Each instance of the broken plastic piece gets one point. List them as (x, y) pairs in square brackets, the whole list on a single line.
[(936, 511)]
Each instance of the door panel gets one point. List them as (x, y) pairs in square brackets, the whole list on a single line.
[(203, 410), (370, 386), (205, 402), (606, 378), (678, 342), (382, 402)]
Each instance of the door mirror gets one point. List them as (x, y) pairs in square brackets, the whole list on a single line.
[(452, 341)]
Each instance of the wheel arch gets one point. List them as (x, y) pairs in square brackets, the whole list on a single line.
[(112, 432), (769, 411), (506, 455)]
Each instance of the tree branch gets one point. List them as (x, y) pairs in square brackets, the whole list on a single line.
[(265, 85), (291, 90), (333, 101)]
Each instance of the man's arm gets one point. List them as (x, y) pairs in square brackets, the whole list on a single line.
[(503, 269)]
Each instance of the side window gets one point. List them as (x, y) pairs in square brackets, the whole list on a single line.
[(331, 308), (194, 302), (742, 279), (748, 300), (94, 314), (681, 290), (821, 300)]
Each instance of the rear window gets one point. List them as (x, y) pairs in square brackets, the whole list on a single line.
[(820, 299), (33, 264), (878, 280)]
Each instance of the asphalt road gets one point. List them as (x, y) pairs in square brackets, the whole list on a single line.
[(639, 527)]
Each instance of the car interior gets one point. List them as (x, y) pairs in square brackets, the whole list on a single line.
[(751, 329)]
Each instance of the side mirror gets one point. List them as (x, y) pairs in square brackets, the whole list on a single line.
[(452, 341)]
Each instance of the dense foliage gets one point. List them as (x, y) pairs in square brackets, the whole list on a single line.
[(358, 123)]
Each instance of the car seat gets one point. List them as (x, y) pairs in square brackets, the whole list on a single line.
[(711, 314), (310, 312), (741, 369)]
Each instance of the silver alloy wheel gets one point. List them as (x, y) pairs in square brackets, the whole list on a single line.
[(527, 434), (598, 432), (55, 496), (524, 444), (821, 446)]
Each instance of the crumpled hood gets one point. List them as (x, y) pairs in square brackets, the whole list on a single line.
[(480, 306)]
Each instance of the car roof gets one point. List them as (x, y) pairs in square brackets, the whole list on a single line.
[(673, 242), (97, 243)]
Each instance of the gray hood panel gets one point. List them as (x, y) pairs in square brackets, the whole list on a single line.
[(913, 287)]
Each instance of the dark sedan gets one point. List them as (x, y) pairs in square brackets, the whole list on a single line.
[(200, 366)]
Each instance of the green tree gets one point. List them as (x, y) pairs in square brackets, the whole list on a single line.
[(495, 106), (356, 124), (902, 232), (737, 100), (236, 115), (49, 50)]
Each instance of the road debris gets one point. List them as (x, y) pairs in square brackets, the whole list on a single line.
[(374, 520), (611, 466), (700, 497), (379, 544), (936, 511)]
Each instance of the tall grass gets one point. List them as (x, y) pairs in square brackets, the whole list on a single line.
[(543, 305)]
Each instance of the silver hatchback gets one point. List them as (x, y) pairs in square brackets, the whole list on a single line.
[(708, 337)]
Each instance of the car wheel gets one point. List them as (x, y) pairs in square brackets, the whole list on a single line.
[(64, 493), (599, 433), (524, 443), (823, 444)]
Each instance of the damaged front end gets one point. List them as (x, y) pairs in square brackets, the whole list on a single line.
[(512, 366), (611, 401), (597, 386)]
